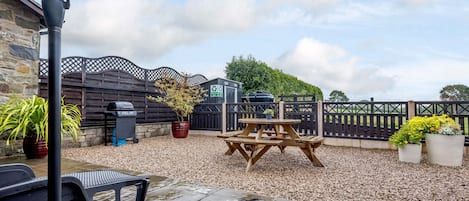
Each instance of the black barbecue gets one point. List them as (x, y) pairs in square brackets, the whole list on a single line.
[(125, 118)]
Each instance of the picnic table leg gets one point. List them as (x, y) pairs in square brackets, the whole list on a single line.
[(231, 148), (311, 155), (248, 129), (255, 157), (241, 150), (282, 148)]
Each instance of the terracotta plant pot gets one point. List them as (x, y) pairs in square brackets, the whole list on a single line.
[(180, 129), (34, 149)]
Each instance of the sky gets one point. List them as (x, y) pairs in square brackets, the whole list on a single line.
[(392, 50)]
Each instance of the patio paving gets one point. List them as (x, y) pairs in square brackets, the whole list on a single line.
[(161, 188)]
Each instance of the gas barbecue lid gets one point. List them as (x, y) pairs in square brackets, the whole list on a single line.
[(120, 105)]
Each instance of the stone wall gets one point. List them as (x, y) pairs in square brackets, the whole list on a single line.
[(19, 50), (92, 136)]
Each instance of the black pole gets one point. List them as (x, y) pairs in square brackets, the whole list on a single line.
[(54, 14)]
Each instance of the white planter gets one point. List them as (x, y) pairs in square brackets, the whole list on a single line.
[(411, 153), (445, 150)]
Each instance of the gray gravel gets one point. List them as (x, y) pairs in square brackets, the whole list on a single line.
[(350, 173)]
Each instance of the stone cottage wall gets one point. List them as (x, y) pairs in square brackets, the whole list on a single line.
[(19, 50)]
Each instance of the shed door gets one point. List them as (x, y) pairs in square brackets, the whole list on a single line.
[(231, 94)]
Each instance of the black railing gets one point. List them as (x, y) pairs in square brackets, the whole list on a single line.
[(363, 120), (207, 116), (307, 112), (459, 110), (235, 111)]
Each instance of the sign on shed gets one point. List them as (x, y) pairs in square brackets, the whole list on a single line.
[(216, 90)]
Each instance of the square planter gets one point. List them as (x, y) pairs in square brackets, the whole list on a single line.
[(411, 153), (446, 150)]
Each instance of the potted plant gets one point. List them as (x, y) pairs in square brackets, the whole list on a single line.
[(28, 119), (408, 140), (269, 113), (445, 141), (181, 97)]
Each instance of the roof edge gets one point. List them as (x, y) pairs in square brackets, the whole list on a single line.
[(36, 8)]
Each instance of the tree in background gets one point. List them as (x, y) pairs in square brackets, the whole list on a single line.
[(338, 96), (457, 92), (256, 75)]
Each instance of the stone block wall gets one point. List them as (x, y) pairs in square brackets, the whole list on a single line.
[(19, 50), (92, 136)]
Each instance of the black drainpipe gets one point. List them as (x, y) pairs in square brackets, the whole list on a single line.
[(54, 11)]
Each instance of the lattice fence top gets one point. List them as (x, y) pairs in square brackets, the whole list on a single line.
[(399, 108), (98, 65)]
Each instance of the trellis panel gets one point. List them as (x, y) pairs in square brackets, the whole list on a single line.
[(93, 83)]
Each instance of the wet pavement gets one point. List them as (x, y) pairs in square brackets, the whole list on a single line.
[(161, 188)]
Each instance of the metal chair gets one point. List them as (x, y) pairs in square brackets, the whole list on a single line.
[(36, 189), (15, 175)]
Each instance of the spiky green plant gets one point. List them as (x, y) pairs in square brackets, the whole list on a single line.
[(21, 117)]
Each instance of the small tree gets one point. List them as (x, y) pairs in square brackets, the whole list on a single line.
[(338, 96), (181, 97), (457, 92)]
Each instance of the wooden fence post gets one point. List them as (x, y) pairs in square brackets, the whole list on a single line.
[(410, 109), (320, 120), (223, 117), (281, 111)]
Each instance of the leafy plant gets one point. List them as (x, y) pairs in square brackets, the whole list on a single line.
[(415, 129), (406, 135), (444, 125), (269, 111), (22, 117), (181, 97), (338, 96), (257, 75)]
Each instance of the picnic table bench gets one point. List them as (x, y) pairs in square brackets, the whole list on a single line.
[(259, 144)]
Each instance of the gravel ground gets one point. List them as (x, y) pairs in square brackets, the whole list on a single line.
[(350, 173)]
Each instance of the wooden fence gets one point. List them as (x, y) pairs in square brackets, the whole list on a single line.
[(352, 120), (363, 120), (93, 83)]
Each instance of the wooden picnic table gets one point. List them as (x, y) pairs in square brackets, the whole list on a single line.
[(259, 144)]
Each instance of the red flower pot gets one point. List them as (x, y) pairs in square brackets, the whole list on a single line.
[(180, 129), (34, 149)]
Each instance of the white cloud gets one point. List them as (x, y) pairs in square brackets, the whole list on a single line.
[(220, 15), (145, 30), (322, 13), (330, 67), (424, 80)]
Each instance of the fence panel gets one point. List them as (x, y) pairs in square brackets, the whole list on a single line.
[(237, 111), (306, 112), (207, 116), (459, 110), (92, 84), (363, 120)]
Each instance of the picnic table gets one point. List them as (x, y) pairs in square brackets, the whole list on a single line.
[(263, 140)]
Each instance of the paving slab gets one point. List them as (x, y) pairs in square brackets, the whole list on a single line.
[(161, 188)]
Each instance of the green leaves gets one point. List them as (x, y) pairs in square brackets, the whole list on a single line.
[(457, 92), (29, 116), (416, 128), (256, 75), (338, 96), (181, 97)]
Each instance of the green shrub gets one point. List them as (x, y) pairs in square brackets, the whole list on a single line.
[(415, 129)]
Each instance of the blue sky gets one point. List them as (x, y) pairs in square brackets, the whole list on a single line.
[(389, 50)]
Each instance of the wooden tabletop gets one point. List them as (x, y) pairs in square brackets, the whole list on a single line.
[(269, 121)]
